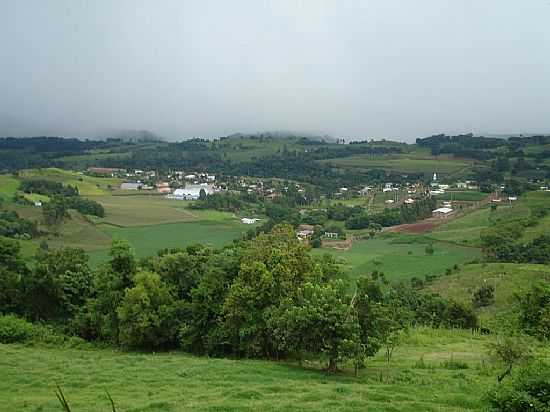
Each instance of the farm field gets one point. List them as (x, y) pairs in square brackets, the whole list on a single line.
[(175, 381), (508, 279), (462, 196), (87, 185), (404, 163), (400, 258), (147, 240)]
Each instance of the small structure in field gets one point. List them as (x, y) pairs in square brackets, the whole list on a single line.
[(249, 221), (130, 186), (409, 201), (442, 212), (163, 187)]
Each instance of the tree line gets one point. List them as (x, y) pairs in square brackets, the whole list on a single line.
[(262, 298)]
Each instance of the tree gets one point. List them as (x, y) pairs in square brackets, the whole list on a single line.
[(54, 211), (273, 268), (58, 285), (322, 321), (534, 311), (99, 319), (202, 194), (510, 351), (484, 296), (146, 314), (12, 270)]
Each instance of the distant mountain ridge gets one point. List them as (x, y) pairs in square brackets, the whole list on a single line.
[(284, 134)]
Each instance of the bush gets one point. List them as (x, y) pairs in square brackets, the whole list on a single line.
[(14, 329), (484, 296), (528, 391)]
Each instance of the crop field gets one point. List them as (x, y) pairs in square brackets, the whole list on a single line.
[(403, 164), (147, 240), (507, 278), (145, 210), (417, 379), (87, 185), (400, 257), (462, 196)]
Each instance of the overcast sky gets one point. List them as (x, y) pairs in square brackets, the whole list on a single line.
[(367, 68)]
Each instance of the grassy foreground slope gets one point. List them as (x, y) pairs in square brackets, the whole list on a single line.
[(423, 376)]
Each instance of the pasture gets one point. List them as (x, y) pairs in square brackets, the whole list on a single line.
[(403, 163), (418, 379), (507, 279), (400, 257), (147, 240), (87, 185)]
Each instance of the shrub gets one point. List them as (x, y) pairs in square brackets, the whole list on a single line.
[(484, 296), (528, 391), (14, 329)]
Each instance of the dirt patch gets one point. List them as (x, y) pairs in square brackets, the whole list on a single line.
[(413, 227)]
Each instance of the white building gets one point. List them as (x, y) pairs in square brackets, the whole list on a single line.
[(190, 192), (409, 201), (442, 212), (249, 221)]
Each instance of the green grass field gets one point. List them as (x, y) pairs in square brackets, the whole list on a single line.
[(399, 261), (147, 240), (8, 187), (462, 196), (87, 185), (403, 163), (507, 278), (171, 382)]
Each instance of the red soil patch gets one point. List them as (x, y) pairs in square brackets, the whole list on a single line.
[(413, 227)]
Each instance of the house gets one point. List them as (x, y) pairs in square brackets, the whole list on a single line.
[(191, 192), (331, 235), (446, 204), (190, 177), (461, 185), (409, 201), (389, 201), (163, 187), (304, 231), (249, 221), (130, 186), (512, 198), (442, 212), (211, 178), (38, 203), (365, 191)]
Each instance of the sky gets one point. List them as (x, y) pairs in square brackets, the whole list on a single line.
[(396, 69)]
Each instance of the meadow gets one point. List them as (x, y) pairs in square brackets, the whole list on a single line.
[(403, 163), (432, 370), (147, 240), (400, 257), (87, 185), (508, 279)]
